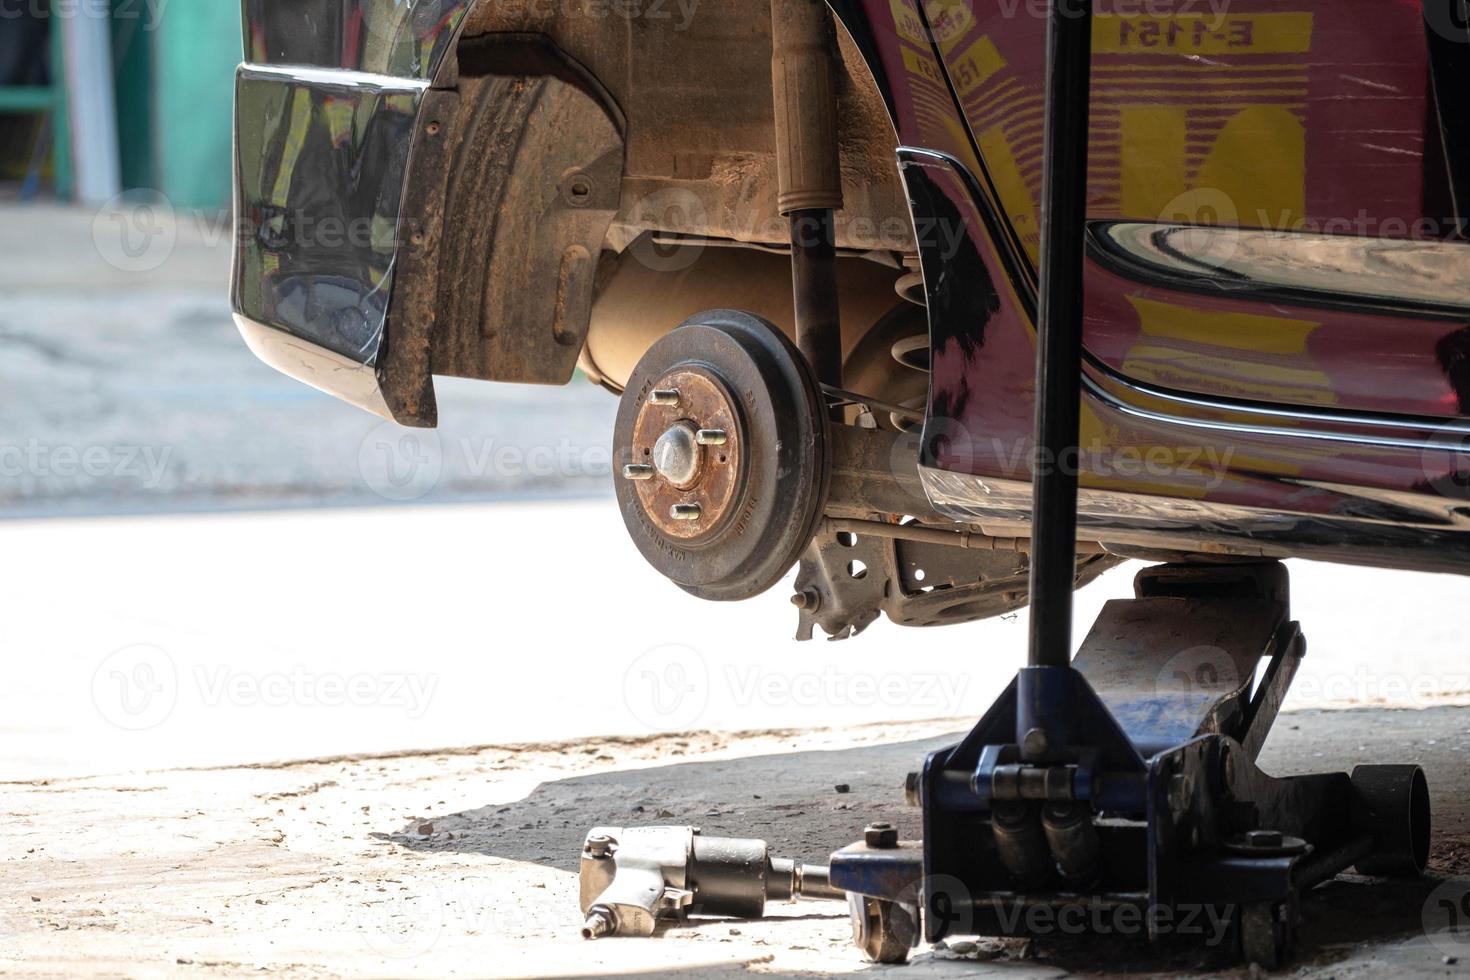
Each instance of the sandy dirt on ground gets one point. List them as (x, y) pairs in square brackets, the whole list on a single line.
[(463, 862)]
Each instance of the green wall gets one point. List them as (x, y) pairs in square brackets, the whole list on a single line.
[(195, 51), (132, 65)]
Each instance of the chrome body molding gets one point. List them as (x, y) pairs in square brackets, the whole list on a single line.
[(324, 370), (337, 76), (325, 109), (320, 163), (401, 38)]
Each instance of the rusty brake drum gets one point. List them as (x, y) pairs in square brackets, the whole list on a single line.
[(722, 443)]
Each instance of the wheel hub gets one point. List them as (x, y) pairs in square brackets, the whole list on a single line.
[(688, 453), (676, 455), (722, 437)]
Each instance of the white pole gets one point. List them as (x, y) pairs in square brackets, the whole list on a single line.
[(87, 44)]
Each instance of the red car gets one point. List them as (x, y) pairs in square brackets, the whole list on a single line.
[(802, 243)]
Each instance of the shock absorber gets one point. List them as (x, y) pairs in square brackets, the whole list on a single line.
[(803, 76)]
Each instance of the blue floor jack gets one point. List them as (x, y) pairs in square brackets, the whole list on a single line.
[(1119, 791)]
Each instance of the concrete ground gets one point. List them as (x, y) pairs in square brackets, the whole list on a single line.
[(462, 863), (284, 695)]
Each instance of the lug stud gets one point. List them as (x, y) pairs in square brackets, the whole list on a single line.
[(638, 471), (711, 437), (664, 396), (685, 512)]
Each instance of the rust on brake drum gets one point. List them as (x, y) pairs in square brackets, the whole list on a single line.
[(704, 403)]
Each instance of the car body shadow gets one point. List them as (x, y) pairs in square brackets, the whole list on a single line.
[(806, 804)]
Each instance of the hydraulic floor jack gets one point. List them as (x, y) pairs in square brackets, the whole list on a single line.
[(1123, 785), (1121, 792)]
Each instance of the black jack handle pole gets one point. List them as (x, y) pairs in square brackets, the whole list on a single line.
[(1059, 332)]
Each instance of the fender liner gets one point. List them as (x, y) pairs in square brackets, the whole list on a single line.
[(514, 178)]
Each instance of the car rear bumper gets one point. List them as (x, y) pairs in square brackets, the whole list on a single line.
[(325, 111)]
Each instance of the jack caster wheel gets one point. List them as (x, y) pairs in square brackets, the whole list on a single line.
[(885, 931), (721, 446), (1391, 802)]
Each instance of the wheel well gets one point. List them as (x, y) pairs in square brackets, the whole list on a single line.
[(669, 121)]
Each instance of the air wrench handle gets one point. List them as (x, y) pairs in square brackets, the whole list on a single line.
[(633, 876)]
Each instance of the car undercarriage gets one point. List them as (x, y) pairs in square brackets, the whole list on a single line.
[(951, 308)]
